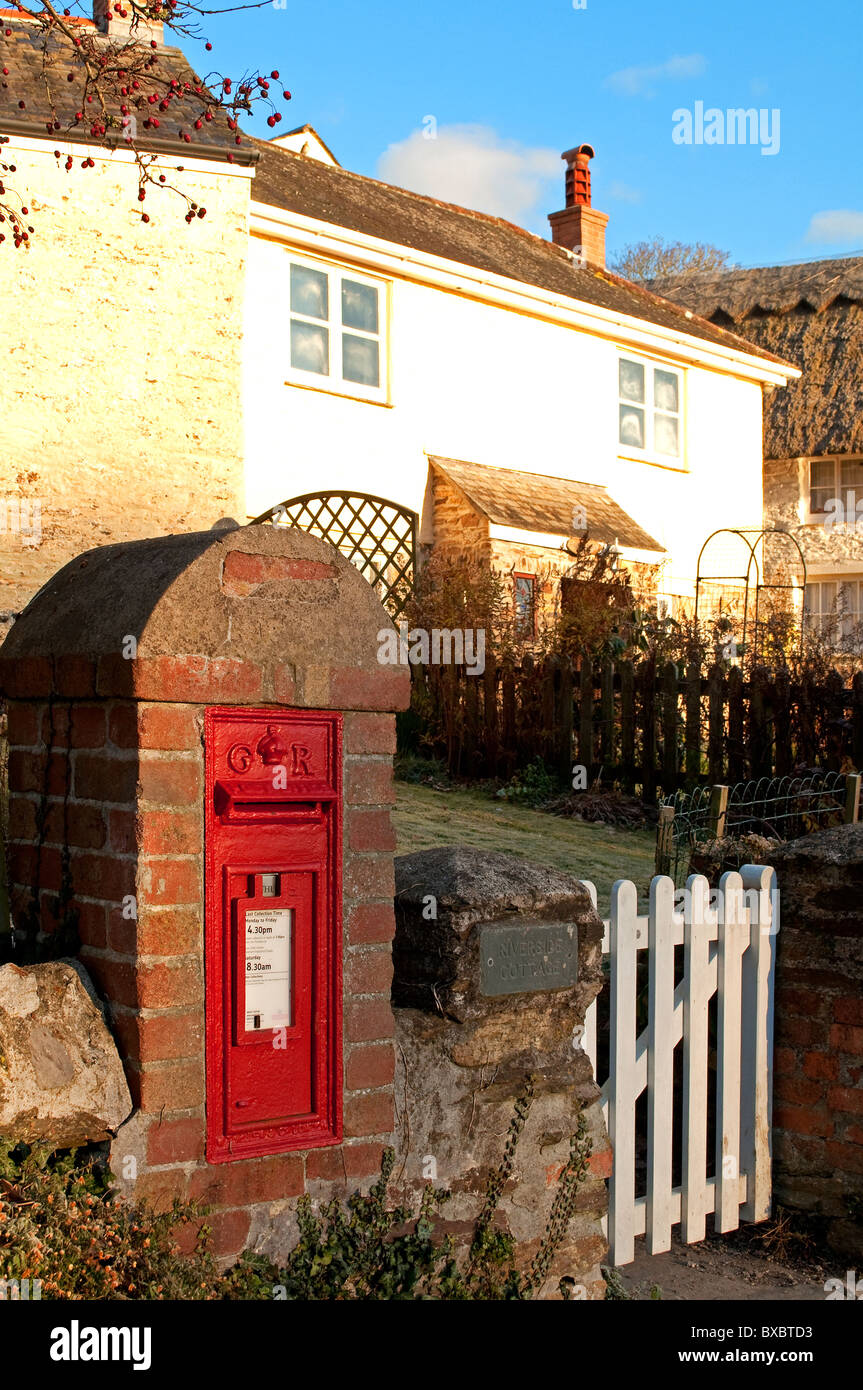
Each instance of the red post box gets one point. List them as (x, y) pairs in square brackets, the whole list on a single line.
[(273, 931)]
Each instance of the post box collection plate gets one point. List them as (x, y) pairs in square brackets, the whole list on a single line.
[(527, 958), (273, 931)]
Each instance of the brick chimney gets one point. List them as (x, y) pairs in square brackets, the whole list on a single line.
[(579, 227), (111, 23)]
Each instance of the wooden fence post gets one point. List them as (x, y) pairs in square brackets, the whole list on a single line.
[(664, 840), (852, 798), (718, 811)]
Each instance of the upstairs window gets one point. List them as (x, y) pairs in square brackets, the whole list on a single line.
[(337, 330), (836, 490), (833, 608), (650, 409)]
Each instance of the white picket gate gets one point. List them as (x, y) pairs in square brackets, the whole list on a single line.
[(728, 950)]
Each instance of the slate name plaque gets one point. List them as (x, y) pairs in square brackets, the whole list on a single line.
[(526, 959)]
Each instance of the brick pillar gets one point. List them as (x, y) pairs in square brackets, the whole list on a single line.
[(106, 775)]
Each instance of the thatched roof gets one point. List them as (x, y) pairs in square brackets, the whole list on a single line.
[(811, 315)]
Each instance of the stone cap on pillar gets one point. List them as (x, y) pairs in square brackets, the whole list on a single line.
[(253, 616), (444, 897)]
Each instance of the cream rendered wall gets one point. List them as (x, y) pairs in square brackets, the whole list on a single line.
[(497, 387)]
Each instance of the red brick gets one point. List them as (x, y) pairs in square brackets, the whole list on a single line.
[(821, 1065), (105, 777), (368, 1020), (230, 1231), (371, 923), (196, 679), (22, 818), (175, 1141), (370, 1067), (243, 573), (371, 1113), (845, 1098), (158, 1189), (801, 1121), (103, 876), (123, 725), (169, 984), (369, 972), (848, 1010), (784, 1061), (848, 1158), (121, 831), (23, 861), (369, 876), (170, 882), (169, 727), (171, 832), (371, 830), (25, 676), (370, 733), (802, 1031), (170, 931), (601, 1163), (327, 1165), (27, 772), (383, 688), (23, 722), (847, 1038), (74, 676), (248, 1182), (854, 1134), (165, 1037), (350, 1162), (116, 980), (92, 928), (797, 1091), (799, 1003), (285, 685), (89, 726), (369, 783), (170, 782), (74, 824), (170, 1086)]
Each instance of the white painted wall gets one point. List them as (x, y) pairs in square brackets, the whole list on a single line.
[(497, 387)]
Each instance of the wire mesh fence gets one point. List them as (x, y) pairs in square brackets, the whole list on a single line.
[(778, 808)]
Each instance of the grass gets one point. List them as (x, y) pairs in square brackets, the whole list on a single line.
[(425, 818)]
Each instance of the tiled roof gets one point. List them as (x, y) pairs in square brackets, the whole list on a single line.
[(22, 53), (538, 502)]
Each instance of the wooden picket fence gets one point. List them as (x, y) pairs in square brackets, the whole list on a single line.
[(724, 953), (646, 725)]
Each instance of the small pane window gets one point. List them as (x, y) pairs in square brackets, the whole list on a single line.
[(359, 306), (360, 360), (337, 325), (309, 292), (822, 484), (631, 380), (632, 426), (310, 347), (649, 408)]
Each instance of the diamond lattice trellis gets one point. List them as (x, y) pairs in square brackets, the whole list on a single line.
[(376, 535)]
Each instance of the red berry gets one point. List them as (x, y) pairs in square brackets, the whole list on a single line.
[(24, 211), (271, 121), (21, 105), (286, 95), (145, 217), (275, 74), (209, 47)]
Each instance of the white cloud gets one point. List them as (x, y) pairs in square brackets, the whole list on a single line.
[(622, 193), (840, 227), (635, 82), (475, 167)]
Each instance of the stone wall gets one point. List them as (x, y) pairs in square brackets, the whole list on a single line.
[(464, 1055), (120, 395), (786, 485)]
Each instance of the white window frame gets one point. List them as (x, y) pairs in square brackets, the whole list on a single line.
[(818, 518), (334, 383), (825, 614), (649, 453)]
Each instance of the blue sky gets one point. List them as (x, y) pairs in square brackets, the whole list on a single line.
[(505, 87)]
